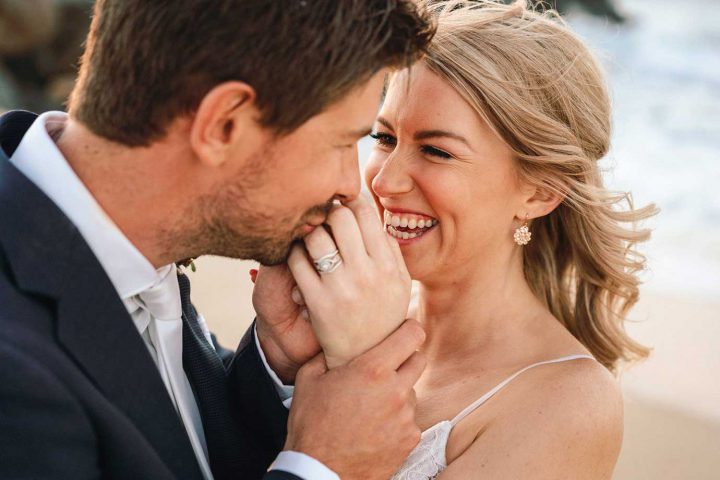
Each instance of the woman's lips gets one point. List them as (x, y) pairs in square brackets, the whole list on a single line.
[(408, 227), (406, 237), (409, 222)]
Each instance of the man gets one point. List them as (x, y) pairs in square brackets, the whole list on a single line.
[(223, 127)]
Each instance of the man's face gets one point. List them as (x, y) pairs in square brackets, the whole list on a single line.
[(285, 191)]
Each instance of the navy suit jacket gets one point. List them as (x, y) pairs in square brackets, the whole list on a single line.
[(80, 396)]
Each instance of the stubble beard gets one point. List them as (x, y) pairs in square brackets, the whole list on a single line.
[(229, 225), (263, 238)]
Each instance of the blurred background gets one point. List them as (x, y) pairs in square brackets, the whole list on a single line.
[(663, 63)]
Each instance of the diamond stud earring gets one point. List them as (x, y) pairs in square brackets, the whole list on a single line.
[(523, 235)]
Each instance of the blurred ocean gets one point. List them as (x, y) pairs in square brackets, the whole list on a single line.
[(664, 72)]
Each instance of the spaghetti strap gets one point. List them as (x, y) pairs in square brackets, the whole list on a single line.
[(502, 384)]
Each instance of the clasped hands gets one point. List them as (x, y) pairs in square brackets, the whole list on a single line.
[(343, 340)]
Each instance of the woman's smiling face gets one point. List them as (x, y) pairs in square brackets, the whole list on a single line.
[(443, 180)]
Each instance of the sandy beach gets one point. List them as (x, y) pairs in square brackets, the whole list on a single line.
[(672, 400), (672, 414)]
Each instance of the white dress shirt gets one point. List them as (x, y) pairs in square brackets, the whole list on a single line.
[(151, 296), (285, 392)]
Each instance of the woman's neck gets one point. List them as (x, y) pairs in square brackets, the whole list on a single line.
[(483, 308)]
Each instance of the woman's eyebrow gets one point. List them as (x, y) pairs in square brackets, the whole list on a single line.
[(425, 134), (384, 122)]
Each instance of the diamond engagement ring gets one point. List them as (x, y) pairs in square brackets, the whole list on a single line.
[(328, 263)]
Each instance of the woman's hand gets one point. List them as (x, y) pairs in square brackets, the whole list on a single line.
[(366, 298)]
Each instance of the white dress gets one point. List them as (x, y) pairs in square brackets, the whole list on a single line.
[(427, 460)]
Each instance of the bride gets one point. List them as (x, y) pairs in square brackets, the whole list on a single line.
[(485, 171)]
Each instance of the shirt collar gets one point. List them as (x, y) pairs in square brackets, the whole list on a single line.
[(39, 159)]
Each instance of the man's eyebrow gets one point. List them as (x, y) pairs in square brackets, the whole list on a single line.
[(360, 133), (425, 134)]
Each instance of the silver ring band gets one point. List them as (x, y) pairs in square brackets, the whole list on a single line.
[(328, 263)]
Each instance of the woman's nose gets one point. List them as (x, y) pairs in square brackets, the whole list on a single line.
[(393, 178)]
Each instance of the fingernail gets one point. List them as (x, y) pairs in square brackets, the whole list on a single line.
[(253, 275), (305, 314)]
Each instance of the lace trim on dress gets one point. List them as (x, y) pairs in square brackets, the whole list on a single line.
[(427, 460)]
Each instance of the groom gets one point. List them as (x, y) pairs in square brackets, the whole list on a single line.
[(222, 127)]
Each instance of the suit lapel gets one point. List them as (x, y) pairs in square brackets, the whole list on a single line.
[(95, 328), (48, 256)]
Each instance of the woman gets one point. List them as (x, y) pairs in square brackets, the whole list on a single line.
[(485, 169), (485, 172)]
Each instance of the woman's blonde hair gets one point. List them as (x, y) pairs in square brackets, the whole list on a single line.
[(542, 91)]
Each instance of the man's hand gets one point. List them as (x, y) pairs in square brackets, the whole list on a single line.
[(359, 419), (285, 334), (366, 297)]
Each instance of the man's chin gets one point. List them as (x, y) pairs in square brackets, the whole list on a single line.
[(271, 261), (269, 250), (271, 257)]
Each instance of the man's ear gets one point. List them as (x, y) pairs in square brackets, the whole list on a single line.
[(539, 201), (225, 121)]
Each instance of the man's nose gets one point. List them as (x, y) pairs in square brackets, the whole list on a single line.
[(349, 187)]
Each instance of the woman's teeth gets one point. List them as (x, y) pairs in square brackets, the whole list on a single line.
[(413, 225)]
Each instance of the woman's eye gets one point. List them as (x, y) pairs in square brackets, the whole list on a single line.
[(387, 140), (384, 139), (432, 151)]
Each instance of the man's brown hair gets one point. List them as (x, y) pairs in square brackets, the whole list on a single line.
[(149, 61)]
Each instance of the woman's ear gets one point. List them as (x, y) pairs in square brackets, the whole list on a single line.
[(540, 201), (225, 121)]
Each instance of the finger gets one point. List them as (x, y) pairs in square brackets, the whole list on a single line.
[(371, 227), (313, 368), (397, 348), (297, 297), (410, 371), (397, 255), (319, 244), (347, 235), (303, 271)]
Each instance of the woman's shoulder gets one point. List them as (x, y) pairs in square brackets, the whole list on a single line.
[(577, 404), (580, 387), (563, 420), (574, 395), (580, 391)]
